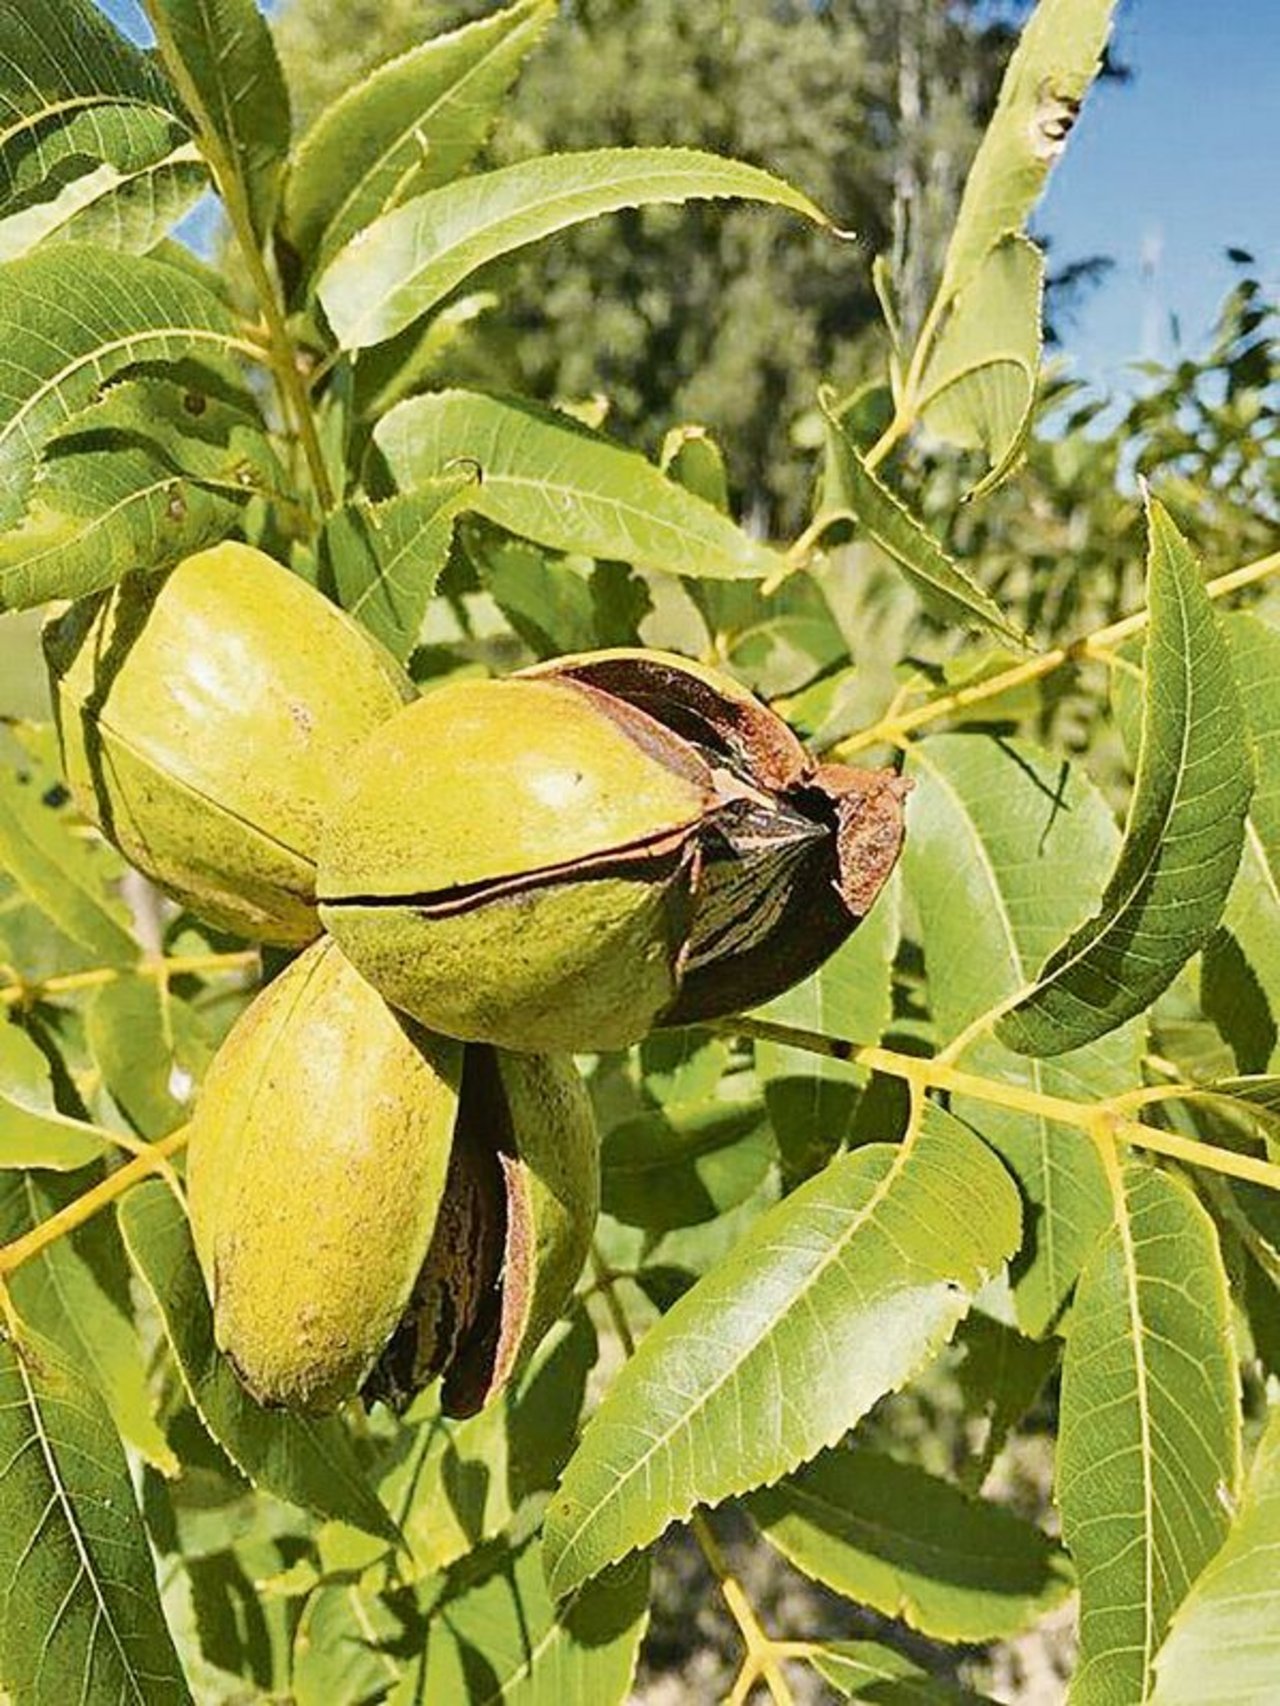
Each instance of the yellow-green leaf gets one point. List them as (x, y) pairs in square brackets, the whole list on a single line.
[(1185, 831), (1228, 1627), (80, 1616), (833, 1298), (410, 259), (411, 125), (1149, 1451), (545, 476), (912, 1546)]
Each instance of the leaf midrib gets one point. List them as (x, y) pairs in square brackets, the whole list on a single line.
[(1133, 1303), (79, 103), (198, 334)]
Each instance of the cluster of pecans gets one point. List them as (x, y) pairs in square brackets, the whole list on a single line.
[(393, 1171)]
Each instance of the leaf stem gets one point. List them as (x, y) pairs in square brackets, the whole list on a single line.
[(761, 1662), (605, 1277), (904, 413), (935, 1073), (892, 728), (284, 356), (153, 1159), (20, 993)]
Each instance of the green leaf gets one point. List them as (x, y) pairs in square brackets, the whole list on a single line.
[(1149, 1453), (811, 1099), (979, 386), (32, 1131), (338, 1652), (413, 124), (834, 1297), (76, 1292), (1242, 966), (548, 602), (687, 1161), (382, 561), (129, 1027), (1003, 856), (129, 207), (73, 316), (310, 1462), (544, 476), (914, 1547), (852, 489), (223, 61), (413, 257), (1228, 1627), (501, 1640), (868, 1670), (59, 62), (63, 874), (695, 461), (449, 1489), (91, 145), (96, 515), (80, 1617), (1185, 831), (1048, 77), (146, 475)]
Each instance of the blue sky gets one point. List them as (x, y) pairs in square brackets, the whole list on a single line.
[(1162, 174)]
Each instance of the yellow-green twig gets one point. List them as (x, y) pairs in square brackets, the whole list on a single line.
[(893, 728), (20, 993), (153, 1159), (761, 1662), (935, 1073)]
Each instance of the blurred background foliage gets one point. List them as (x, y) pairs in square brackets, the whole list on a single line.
[(732, 318), (698, 313)]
